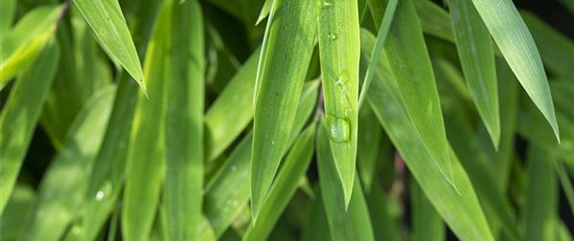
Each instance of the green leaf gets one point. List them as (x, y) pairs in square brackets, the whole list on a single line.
[(58, 202), (284, 186), (434, 20), (383, 27), (265, 10), (383, 212), (18, 210), (228, 192), (145, 165), (460, 210), (477, 59), (565, 183), (556, 49), (412, 67), (370, 145), (8, 10), (518, 48), (539, 212), (20, 47), (427, 224), (346, 222), (108, 24), (183, 190), (280, 78), (339, 49), (232, 111), (20, 115), (316, 227)]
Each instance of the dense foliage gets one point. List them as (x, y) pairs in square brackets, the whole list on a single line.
[(311, 120)]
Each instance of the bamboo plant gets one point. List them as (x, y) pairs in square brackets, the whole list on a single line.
[(350, 120)]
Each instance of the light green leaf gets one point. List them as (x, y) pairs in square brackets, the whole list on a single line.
[(227, 193), (316, 227), (460, 210), (370, 145), (477, 59), (539, 212), (412, 67), (284, 186), (232, 111), (518, 48), (346, 222), (383, 27), (427, 224), (183, 189), (108, 24), (59, 202), (283, 67), (8, 10), (339, 48), (264, 11), (22, 44), (383, 212), (20, 115), (434, 20), (145, 165), (556, 49), (18, 210)]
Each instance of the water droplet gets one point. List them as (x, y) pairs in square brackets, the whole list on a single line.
[(332, 36), (105, 190), (99, 196), (272, 142), (339, 129)]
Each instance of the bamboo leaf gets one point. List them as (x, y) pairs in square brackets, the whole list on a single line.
[(145, 165), (18, 210), (109, 26), (339, 49), (20, 115), (20, 47), (378, 50), (427, 224), (370, 136), (411, 64), (283, 67), (460, 210), (183, 190), (556, 50), (8, 10), (228, 192), (346, 222), (518, 48), (59, 201), (284, 186), (232, 111), (540, 212), (384, 216), (477, 59)]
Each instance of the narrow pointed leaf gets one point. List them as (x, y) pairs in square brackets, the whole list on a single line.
[(58, 202), (518, 48), (20, 115), (477, 59), (145, 166), (283, 64), (370, 145), (8, 9), (378, 50), (232, 111), (459, 208), (284, 186), (264, 11), (411, 64), (346, 222), (539, 212), (427, 224), (183, 190), (339, 48), (20, 47), (228, 191), (109, 26)]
